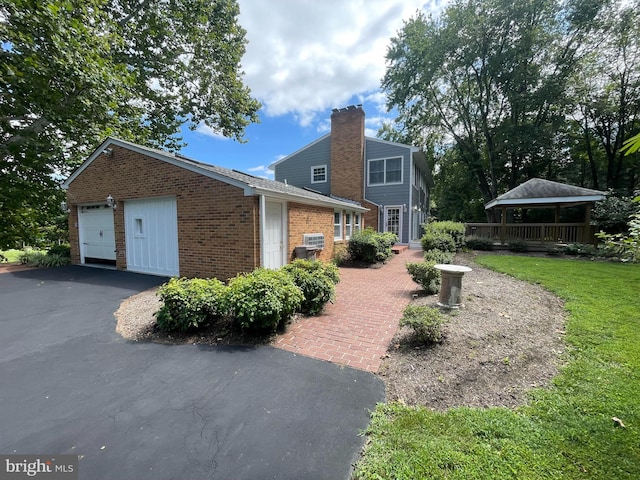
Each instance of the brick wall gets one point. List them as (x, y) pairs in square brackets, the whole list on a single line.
[(218, 227), (307, 219), (347, 153)]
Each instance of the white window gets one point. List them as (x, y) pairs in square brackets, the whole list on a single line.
[(347, 225), (319, 174), (356, 222), (385, 171), (337, 225), (138, 228)]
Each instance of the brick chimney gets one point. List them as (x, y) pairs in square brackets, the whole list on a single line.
[(347, 152)]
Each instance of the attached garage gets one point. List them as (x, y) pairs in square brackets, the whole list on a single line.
[(160, 213)]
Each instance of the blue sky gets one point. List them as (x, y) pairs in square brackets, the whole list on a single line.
[(305, 57)]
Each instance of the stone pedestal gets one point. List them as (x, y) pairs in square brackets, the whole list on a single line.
[(451, 285)]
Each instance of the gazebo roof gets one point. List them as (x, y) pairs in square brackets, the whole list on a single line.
[(538, 192)]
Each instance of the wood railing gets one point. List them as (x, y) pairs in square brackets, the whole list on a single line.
[(542, 233)]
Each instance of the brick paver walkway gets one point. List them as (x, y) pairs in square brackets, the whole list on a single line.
[(356, 330)]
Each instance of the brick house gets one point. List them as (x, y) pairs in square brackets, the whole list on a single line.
[(150, 211), (391, 179)]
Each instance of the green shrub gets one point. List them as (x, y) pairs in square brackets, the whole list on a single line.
[(317, 281), (425, 321), (63, 250), (438, 256), (438, 241), (479, 243), (263, 300), (517, 246), (189, 303), (579, 249), (426, 275), (370, 246), (454, 229), (38, 258)]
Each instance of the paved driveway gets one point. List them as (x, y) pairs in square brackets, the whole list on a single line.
[(70, 385)]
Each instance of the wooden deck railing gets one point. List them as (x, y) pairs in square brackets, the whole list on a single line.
[(534, 232)]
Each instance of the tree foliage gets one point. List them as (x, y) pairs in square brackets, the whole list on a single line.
[(504, 91), (76, 71)]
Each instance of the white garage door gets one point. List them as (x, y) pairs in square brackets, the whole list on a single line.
[(97, 235), (151, 235)]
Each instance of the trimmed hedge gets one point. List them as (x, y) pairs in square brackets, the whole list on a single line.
[(438, 241), (479, 243), (425, 321), (317, 281), (370, 246), (438, 256), (189, 303), (263, 300), (455, 230)]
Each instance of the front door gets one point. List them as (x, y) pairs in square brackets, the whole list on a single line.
[(274, 235), (393, 220)]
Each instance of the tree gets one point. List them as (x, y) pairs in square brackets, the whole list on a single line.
[(489, 76), (607, 98), (76, 71)]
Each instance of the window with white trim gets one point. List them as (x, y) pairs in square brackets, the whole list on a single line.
[(319, 174), (385, 171), (347, 225), (356, 222), (337, 225)]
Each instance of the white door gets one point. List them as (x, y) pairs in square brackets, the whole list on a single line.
[(151, 235), (97, 233), (393, 220), (274, 235)]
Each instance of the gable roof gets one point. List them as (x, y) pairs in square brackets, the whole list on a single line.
[(328, 135), (538, 191), (250, 184)]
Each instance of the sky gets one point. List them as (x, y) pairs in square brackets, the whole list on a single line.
[(304, 58)]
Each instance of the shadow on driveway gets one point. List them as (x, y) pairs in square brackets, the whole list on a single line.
[(70, 385)]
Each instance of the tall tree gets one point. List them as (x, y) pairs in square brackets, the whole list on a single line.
[(490, 76), (75, 71), (607, 97)]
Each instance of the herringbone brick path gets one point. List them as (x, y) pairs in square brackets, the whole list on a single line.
[(356, 330)]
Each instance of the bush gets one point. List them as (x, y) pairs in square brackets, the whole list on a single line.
[(625, 247), (517, 246), (454, 229), (426, 275), (579, 249), (63, 250), (317, 281), (425, 321), (370, 246), (438, 241), (438, 256), (189, 303), (479, 243), (38, 258), (263, 300)]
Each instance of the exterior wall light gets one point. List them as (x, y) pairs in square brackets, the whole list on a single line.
[(111, 202), (64, 207)]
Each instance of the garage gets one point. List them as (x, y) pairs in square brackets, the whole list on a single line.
[(151, 236), (97, 234)]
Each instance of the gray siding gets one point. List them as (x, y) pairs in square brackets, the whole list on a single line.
[(397, 194), (297, 168)]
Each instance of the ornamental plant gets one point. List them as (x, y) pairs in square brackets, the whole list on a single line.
[(370, 246), (426, 275), (425, 321), (188, 303), (263, 300), (317, 280)]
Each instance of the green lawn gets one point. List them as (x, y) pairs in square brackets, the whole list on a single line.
[(566, 431), (11, 255)]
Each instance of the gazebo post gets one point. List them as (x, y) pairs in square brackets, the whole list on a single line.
[(587, 237), (555, 224), (503, 229)]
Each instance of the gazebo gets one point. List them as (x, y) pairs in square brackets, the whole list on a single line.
[(540, 194)]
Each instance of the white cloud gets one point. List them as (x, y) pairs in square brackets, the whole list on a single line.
[(209, 132), (305, 56), (261, 171)]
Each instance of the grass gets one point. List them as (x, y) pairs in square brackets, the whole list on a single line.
[(566, 431), (11, 255)]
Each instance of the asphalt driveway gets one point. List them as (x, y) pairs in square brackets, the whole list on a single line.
[(70, 385)]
